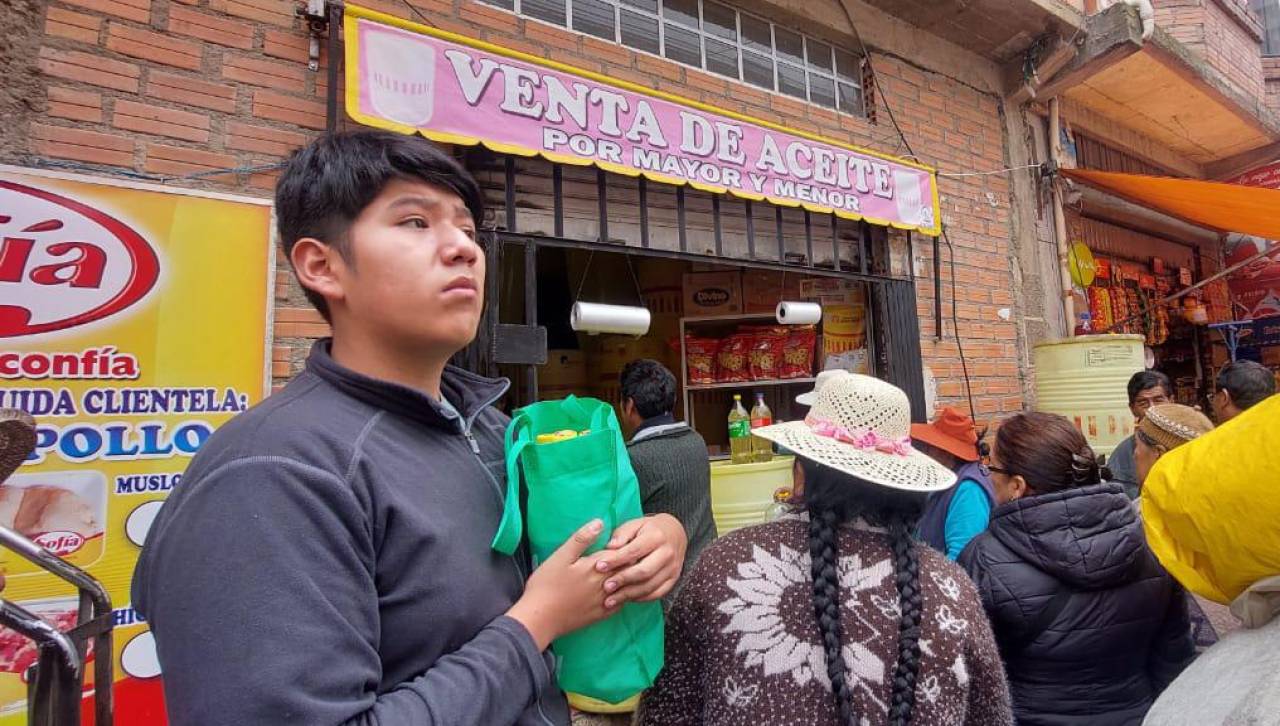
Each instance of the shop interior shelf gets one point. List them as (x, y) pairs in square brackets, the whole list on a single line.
[(748, 384)]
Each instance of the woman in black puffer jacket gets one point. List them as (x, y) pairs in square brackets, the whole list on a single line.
[(1090, 626)]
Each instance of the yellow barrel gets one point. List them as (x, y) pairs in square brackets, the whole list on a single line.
[(741, 494), (1086, 379), (565, 373)]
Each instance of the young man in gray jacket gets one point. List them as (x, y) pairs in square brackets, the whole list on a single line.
[(327, 558)]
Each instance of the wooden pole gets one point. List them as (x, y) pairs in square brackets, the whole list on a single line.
[(1060, 218)]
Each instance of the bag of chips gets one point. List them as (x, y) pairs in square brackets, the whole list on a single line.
[(797, 354), (767, 347), (733, 358), (700, 359)]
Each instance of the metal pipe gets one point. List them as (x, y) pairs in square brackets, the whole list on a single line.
[(1060, 218), (54, 688), (937, 287), (331, 100)]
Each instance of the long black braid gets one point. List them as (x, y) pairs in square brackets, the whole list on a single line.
[(833, 498), (906, 571), (826, 605)]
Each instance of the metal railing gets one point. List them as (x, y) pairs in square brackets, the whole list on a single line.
[(55, 681)]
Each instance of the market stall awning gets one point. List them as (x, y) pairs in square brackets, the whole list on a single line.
[(410, 78), (1253, 211)]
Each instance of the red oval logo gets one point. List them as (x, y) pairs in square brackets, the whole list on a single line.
[(64, 264), (60, 543)]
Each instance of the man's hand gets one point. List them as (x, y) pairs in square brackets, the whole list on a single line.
[(563, 594), (645, 557)]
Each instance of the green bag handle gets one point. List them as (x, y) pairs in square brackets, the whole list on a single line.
[(511, 526)]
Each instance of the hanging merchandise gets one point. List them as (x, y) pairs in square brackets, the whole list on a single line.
[(1083, 267), (1100, 308)]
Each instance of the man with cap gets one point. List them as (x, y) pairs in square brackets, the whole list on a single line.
[(955, 516)]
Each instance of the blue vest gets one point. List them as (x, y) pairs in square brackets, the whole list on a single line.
[(933, 523)]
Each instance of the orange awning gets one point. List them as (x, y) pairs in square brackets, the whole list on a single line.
[(1228, 207)]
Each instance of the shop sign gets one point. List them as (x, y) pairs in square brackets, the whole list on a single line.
[(133, 322), (409, 77)]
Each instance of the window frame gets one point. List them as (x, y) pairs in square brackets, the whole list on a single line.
[(738, 43)]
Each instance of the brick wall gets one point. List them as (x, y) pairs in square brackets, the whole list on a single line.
[(1223, 32), (171, 87), (1271, 72)]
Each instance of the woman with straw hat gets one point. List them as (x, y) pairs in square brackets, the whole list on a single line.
[(834, 615), (1091, 628)]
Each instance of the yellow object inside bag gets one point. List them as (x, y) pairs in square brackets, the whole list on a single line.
[(1211, 507)]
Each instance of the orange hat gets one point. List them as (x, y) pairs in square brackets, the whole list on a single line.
[(951, 431)]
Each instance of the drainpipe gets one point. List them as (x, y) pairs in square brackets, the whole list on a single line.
[(1148, 15), (1060, 217)]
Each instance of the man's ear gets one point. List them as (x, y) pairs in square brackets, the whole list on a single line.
[(319, 267)]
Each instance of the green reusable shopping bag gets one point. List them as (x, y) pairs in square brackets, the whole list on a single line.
[(569, 483)]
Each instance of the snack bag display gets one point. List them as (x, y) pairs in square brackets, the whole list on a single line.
[(700, 359), (797, 355), (733, 359)]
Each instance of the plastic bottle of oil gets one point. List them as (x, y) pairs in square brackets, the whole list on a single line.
[(761, 416), (739, 432)]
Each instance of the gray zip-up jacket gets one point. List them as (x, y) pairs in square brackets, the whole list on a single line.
[(326, 560)]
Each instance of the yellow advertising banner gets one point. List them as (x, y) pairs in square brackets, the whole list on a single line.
[(133, 322)]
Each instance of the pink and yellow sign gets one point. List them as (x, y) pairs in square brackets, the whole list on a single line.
[(409, 77), (133, 322)]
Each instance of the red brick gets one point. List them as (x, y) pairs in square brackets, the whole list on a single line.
[(192, 91), (75, 105), (281, 369), (551, 36), (222, 31), (432, 8), (284, 44), (271, 74), (264, 180), (283, 282), (161, 121), (75, 26), (276, 12), (302, 330), (91, 69), (261, 139), (177, 160), (610, 53), (138, 11), (298, 315), (281, 352), (81, 145), (155, 47), (289, 109)]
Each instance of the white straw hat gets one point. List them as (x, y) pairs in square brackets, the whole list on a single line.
[(825, 377), (861, 426)]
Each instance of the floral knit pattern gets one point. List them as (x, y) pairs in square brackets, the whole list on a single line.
[(743, 646)]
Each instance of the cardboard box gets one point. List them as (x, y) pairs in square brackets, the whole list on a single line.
[(762, 290), (712, 293)]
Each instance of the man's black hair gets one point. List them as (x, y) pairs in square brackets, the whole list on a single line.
[(650, 386), (1145, 381), (1249, 383), (326, 184)]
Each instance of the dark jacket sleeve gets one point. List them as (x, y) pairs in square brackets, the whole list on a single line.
[(260, 589), (1173, 648)]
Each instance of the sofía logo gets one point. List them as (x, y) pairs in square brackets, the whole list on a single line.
[(64, 264), (61, 543)]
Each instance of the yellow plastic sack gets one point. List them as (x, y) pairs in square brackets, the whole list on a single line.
[(1211, 507)]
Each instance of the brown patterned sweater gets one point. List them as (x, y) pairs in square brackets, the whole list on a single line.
[(743, 646)]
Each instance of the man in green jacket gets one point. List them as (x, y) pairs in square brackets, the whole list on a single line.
[(669, 457)]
